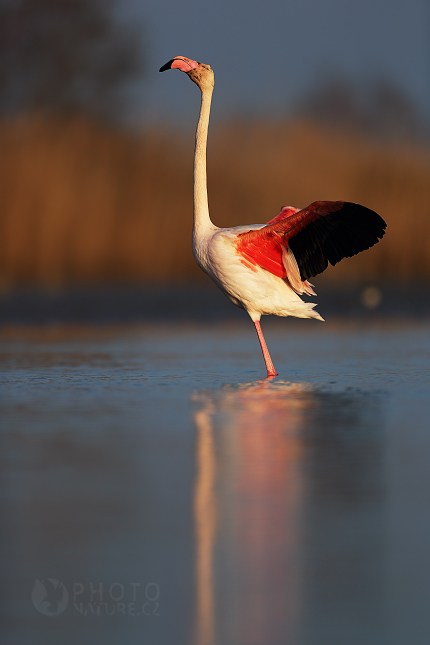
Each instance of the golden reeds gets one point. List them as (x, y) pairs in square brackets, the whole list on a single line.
[(81, 203)]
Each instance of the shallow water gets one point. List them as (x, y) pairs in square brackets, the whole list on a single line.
[(178, 497)]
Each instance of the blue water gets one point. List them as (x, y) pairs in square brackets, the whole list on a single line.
[(173, 495)]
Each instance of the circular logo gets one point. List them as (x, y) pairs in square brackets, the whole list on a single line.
[(49, 596)]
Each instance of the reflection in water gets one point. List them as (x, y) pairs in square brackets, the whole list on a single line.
[(268, 473), (205, 516)]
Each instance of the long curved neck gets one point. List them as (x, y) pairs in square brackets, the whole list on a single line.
[(202, 220)]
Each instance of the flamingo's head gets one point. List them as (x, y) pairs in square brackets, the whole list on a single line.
[(201, 74)]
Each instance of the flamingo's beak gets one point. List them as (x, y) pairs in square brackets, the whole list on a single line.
[(182, 63), (166, 66)]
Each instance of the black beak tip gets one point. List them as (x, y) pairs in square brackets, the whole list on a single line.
[(166, 66)]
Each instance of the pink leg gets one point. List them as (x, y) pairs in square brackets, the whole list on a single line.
[(269, 365)]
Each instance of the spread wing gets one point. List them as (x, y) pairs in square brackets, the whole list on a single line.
[(321, 233), (286, 211)]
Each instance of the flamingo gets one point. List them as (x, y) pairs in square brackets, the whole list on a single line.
[(264, 268)]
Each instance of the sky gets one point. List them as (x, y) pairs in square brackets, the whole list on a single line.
[(267, 55)]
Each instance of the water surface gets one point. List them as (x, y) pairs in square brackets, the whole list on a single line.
[(179, 497)]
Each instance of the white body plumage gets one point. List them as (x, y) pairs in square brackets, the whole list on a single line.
[(256, 290)]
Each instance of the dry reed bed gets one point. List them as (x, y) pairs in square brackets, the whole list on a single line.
[(80, 203)]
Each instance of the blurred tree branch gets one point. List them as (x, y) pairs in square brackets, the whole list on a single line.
[(379, 109), (66, 56)]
